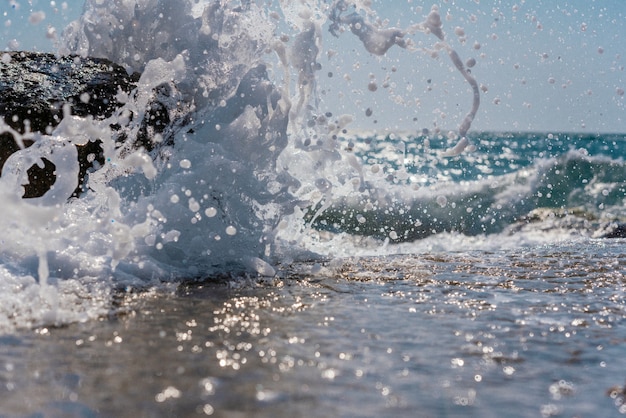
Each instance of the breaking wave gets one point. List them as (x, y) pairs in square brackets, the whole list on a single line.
[(246, 172)]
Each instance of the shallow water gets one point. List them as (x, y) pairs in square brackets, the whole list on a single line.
[(536, 332)]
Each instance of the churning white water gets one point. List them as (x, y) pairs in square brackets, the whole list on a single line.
[(248, 154)]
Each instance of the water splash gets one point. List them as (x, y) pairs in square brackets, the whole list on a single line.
[(226, 186), (378, 41)]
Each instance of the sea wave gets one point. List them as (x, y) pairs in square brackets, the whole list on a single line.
[(429, 195)]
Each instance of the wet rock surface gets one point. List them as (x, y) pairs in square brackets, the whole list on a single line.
[(34, 90), (38, 89), (34, 87)]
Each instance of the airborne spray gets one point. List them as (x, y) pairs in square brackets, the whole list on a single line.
[(378, 40)]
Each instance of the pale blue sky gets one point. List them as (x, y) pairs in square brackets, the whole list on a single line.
[(15, 24), (547, 65)]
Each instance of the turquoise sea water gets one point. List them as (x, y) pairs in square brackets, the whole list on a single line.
[(508, 178)]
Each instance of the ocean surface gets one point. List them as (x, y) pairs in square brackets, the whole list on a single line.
[(271, 260), (525, 318)]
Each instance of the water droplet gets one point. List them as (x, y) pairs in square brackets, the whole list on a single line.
[(194, 206), (36, 17), (207, 409)]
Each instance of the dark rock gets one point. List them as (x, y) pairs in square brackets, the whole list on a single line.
[(166, 112), (35, 88)]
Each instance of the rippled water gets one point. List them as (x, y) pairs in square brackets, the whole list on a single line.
[(537, 332)]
